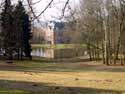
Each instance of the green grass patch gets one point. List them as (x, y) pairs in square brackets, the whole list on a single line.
[(59, 46), (10, 91)]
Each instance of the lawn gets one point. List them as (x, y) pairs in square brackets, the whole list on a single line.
[(46, 77), (58, 46)]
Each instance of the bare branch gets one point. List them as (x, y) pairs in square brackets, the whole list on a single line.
[(36, 17), (63, 11)]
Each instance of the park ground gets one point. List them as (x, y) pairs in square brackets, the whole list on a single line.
[(60, 77), (58, 46)]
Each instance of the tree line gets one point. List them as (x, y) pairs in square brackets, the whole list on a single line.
[(103, 25), (15, 31)]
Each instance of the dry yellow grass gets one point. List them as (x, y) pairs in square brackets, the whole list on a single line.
[(61, 78)]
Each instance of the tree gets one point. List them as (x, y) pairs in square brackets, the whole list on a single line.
[(22, 31), (15, 30), (7, 30), (18, 14), (103, 22), (26, 36)]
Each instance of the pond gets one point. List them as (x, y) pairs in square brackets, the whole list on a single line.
[(58, 53)]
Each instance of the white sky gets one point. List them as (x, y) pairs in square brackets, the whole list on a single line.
[(54, 11)]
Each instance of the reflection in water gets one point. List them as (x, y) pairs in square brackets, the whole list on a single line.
[(40, 52), (58, 53)]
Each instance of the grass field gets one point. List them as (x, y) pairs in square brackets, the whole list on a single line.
[(45, 77), (58, 46)]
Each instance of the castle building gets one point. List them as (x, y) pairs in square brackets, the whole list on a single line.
[(56, 33)]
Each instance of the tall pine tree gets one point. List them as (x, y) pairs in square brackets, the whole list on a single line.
[(22, 31), (19, 13), (27, 35), (15, 31), (7, 30)]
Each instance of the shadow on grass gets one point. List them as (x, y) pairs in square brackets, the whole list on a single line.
[(84, 64), (41, 66), (63, 60), (59, 65), (18, 87)]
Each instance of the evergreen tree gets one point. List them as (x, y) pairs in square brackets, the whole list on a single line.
[(7, 30), (22, 30), (27, 36), (19, 13), (15, 30)]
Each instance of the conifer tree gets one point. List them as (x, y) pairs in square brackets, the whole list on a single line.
[(7, 30), (22, 31), (18, 14), (27, 35)]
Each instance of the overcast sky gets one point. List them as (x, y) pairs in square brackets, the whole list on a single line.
[(54, 11)]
